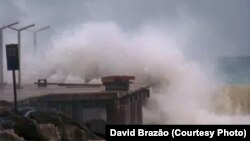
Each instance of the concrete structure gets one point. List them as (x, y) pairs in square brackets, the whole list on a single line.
[(84, 102)]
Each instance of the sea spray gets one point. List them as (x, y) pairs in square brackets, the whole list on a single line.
[(181, 90)]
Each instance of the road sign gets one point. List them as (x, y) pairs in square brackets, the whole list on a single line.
[(12, 57), (13, 64)]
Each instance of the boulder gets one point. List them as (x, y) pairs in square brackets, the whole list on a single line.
[(97, 126), (9, 135), (27, 129), (65, 125), (49, 131), (30, 124)]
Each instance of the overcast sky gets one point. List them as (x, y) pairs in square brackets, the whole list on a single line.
[(229, 20)]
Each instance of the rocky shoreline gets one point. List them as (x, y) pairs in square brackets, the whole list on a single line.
[(31, 124)]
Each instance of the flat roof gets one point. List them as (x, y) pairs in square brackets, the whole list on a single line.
[(63, 92)]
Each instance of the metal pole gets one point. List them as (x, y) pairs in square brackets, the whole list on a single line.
[(19, 55), (35, 42), (35, 36), (19, 49), (14, 88), (1, 52), (1, 58)]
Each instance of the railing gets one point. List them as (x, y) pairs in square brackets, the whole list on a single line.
[(44, 83)]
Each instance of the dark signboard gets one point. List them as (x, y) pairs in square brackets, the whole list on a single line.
[(12, 57)]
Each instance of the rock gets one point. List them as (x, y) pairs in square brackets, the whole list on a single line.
[(4, 103), (5, 108), (63, 122), (73, 133), (97, 126), (50, 132), (27, 129), (9, 135), (6, 123), (30, 124)]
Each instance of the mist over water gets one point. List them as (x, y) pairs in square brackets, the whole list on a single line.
[(182, 91)]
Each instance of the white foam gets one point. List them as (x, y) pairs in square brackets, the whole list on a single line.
[(181, 89)]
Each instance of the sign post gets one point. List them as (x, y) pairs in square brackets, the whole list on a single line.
[(13, 64), (14, 88)]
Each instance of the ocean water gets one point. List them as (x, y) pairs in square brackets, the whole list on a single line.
[(235, 70), (234, 98)]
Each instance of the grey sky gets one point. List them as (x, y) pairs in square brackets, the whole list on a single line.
[(229, 19)]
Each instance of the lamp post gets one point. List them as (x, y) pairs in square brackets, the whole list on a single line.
[(19, 48), (35, 36), (1, 52)]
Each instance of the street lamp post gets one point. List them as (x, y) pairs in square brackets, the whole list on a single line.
[(1, 52), (35, 36), (19, 48)]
